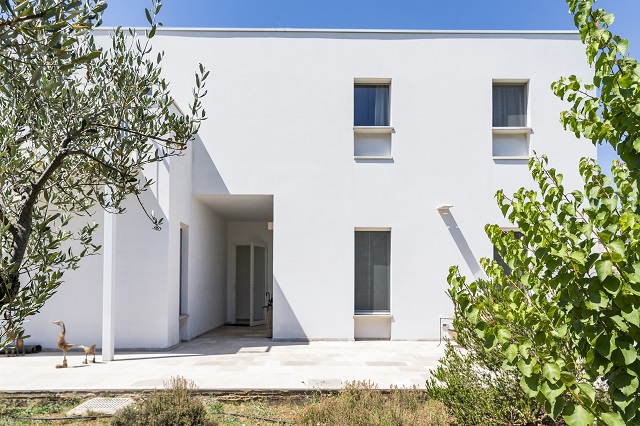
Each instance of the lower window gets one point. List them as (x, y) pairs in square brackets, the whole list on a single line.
[(372, 271)]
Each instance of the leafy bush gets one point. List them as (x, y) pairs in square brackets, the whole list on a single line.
[(362, 404), (176, 405), (476, 389)]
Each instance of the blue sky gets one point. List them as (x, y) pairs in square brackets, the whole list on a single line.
[(379, 14)]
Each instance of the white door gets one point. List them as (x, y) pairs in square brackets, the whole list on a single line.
[(251, 283)]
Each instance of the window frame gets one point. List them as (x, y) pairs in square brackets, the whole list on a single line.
[(373, 312), (362, 135), (515, 132)]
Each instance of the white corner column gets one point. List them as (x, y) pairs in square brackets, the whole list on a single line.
[(108, 286)]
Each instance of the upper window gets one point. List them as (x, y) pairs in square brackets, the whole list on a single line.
[(372, 271), (371, 105), (509, 105)]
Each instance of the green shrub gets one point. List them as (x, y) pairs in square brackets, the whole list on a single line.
[(362, 404), (176, 405), (474, 385), (476, 394)]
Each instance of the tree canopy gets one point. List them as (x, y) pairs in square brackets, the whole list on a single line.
[(567, 318), (79, 124)]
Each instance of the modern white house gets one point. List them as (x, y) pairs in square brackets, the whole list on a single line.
[(341, 171)]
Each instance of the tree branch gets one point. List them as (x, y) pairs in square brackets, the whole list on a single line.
[(144, 135), (97, 160), (15, 21)]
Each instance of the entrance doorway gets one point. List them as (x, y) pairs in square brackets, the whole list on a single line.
[(251, 283)]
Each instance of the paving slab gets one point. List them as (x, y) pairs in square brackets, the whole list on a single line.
[(228, 358)]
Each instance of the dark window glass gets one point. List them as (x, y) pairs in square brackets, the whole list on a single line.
[(371, 105), (372, 271), (509, 105)]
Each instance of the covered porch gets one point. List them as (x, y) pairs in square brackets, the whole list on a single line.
[(226, 263)]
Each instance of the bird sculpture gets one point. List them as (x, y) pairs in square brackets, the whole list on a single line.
[(88, 351), (62, 344)]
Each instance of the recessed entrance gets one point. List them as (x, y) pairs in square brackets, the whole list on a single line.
[(232, 261), (250, 283)]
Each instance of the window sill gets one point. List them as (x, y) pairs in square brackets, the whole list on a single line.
[(512, 157), (373, 129), (511, 130), (382, 315), (372, 158)]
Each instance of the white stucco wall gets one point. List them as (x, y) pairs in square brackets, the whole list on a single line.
[(78, 301), (280, 107)]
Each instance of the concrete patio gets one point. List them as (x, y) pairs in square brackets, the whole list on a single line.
[(230, 358)]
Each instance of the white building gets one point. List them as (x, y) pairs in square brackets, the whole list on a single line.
[(318, 175)]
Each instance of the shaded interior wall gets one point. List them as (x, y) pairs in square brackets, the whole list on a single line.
[(207, 270), (78, 301), (245, 232)]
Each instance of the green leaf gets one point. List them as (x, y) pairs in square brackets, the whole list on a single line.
[(93, 55), (626, 383), (622, 46), (612, 419), (552, 391), (525, 365), (604, 268), (628, 351), (554, 409), (588, 391), (625, 81), (551, 371), (576, 415), (511, 352), (503, 335), (612, 284), (579, 257), (605, 345), (632, 272), (567, 378), (530, 385), (631, 314), (617, 250)]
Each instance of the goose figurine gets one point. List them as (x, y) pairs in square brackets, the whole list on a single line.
[(91, 350), (62, 344)]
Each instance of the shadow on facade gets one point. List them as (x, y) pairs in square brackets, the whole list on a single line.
[(461, 243)]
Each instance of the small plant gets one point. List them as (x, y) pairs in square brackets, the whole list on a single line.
[(477, 391), (176, 405), (361, 403)]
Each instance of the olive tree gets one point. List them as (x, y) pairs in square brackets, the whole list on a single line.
[(78, 125), (567, 319)]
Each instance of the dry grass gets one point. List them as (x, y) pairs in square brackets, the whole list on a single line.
[(362, 404), (359, 403)]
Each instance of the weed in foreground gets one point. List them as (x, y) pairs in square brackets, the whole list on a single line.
[(176, 405)]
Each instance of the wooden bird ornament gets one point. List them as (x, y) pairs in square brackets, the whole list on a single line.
[(88, 351), (62, 344)]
